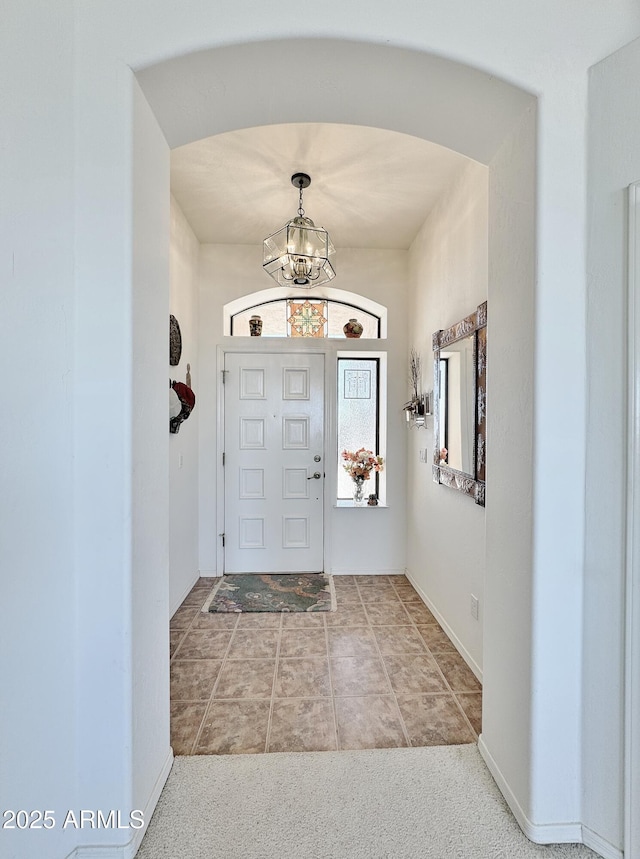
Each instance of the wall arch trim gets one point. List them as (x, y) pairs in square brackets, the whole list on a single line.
[(227, 88)]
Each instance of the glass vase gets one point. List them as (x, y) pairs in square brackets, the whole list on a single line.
[(358, 490)]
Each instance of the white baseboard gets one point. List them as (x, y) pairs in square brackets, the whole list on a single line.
[(151, 803), (129, 850), (97, 852), (459, 646), (209, 574), (367, 572), (539, 833), (600, 845), (174, 608)]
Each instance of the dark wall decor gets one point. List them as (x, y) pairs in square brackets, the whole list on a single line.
[(184, 403), (181, 397), (175, 341), (460, 405)]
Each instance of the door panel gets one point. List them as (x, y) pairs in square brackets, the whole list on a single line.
[(274, 429)]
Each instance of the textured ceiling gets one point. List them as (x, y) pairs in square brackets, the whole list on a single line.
[(369, 187)]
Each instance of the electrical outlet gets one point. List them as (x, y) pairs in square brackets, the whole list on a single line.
[(422, 454), (475, 607), (180, 460)]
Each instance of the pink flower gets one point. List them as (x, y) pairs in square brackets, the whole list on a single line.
[(361, 463)]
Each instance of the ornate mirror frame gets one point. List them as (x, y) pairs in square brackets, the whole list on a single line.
[(469, 484)]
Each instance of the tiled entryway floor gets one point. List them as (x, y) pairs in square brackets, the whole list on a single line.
[(377, 673)]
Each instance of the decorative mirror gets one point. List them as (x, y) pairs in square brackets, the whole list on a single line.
[(460, 405)]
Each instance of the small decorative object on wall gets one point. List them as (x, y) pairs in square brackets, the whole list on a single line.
[(359, 466), (418, 406), (352, 329), (175, 341), (255, 326), (175, 406), (188, 376), (373, 500), (460, 405), (182, 401)]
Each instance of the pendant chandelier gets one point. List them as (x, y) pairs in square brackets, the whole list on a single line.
[(300, 253)]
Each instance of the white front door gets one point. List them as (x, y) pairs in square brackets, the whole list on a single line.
[(274, 463)]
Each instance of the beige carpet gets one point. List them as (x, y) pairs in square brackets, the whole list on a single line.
[(432, 803)]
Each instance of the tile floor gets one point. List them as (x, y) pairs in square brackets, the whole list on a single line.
[(377, 673)]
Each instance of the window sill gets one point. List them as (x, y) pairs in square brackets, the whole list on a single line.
[(344, 503)]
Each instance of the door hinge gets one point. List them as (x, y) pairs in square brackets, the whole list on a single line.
[(222, 536), (224, 458), (224, 376)]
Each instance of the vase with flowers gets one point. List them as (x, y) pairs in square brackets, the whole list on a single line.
[(359, 466)]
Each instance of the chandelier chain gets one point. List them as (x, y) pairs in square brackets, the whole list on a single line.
[(300, 208)]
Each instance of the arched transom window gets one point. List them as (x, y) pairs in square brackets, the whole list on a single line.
[(306, 316)]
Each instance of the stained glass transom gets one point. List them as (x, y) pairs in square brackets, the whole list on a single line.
[(277, 319), (307, 319)]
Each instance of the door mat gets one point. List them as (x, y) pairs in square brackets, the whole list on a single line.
[(273, 592)]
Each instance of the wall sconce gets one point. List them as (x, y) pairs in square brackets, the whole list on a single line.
[(419, 406), (418, 409)]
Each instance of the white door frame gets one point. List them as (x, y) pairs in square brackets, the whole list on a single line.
[(270, 346), (632, 609)]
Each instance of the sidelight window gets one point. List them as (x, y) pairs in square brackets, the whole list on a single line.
[(359, 425)]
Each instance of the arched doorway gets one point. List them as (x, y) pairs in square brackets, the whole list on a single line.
[(492, 122)]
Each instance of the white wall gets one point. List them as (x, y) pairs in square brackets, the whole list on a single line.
[(445, 529), (508, 657), (228, 272), (37, 579), (183, 445), (149, 729), (614, 147)]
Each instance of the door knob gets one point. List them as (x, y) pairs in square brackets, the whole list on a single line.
[(315, 476)]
